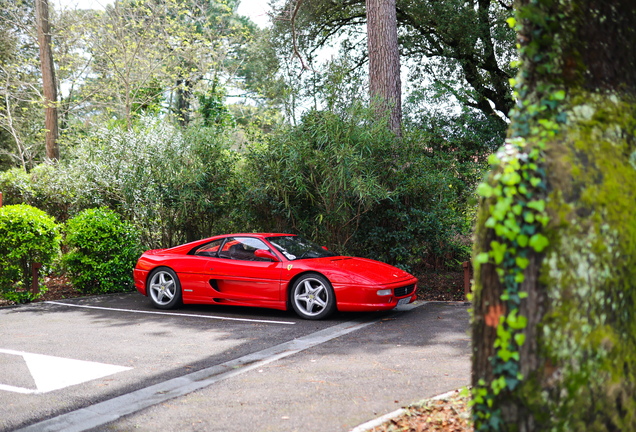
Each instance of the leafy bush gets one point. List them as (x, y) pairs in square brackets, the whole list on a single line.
[(16, 188), (420, 226), (102, 253), (44, 187), (27, 235), (173, 185), (320, 177), (342, 179)]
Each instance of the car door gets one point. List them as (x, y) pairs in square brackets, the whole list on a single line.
[(192, 270), (238, 274)]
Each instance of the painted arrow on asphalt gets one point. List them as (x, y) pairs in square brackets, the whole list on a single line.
[(53, 373)]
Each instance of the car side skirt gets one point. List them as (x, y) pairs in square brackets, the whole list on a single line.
[(280, 305)]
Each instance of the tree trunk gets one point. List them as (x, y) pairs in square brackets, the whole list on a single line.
[(384, 60), (182, 103), (555, 247), (48, 79)]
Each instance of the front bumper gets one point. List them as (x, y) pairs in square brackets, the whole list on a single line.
[(365, 298), (140, 280)]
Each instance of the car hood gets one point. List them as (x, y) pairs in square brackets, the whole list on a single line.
[(375, 272)]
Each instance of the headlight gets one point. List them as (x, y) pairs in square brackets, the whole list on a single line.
[(384, 292)]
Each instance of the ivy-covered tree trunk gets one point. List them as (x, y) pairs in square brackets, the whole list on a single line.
[(384, 60), (554, 322)]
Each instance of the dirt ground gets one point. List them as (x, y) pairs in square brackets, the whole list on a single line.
[(440, 286), (446, 415)]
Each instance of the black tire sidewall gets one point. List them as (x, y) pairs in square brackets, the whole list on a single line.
[(331, 300), (176, 301)]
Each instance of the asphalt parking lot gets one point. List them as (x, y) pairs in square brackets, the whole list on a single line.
[(114, 363)]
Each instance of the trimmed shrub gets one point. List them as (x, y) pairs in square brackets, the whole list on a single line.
[(27, 235), (102, 253)]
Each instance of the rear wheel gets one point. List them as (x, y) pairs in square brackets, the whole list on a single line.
[(312, 297), (164, 288)]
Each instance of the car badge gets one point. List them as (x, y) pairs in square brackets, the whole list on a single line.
[(289, 267), (395, 275)]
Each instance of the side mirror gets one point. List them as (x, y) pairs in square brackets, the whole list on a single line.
[(262, 253), (325, 248)]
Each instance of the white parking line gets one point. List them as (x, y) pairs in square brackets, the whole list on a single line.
[(113, 409), (173, 314)]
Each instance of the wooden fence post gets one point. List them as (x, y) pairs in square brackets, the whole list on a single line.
[(35, 287), (466, 265)]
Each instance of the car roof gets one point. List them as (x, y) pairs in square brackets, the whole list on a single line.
[(254, 235), (185, 247)]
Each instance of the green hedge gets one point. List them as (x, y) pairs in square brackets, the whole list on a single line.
[(27, 235), (102, 253)]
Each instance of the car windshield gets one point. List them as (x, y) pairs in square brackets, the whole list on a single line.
[(296, 247)]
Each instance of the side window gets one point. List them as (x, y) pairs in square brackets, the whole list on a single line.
[(209, 249), (242, 248)]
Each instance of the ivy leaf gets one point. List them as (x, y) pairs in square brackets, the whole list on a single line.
[(559, 94), (534, 181), (511, 22), (516, 322), (537, 205), (523, 294), (504, 354), (512, 383), (493, 159), (522, 240), (482, 258), (538, 242), (485, 190), (491, 222), (543, 218), (522, 262), (498, 251), (511, 179), (501, 230), (520, 338)]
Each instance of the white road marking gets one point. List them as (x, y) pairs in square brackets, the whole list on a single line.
[(173, 314), (113, 409), (54, 373)]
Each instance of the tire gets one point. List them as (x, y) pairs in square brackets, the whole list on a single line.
[(312, 297), (164, 288)]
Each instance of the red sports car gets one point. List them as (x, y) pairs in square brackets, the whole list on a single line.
[(272, 271)]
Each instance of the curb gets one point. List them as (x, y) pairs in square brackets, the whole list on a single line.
[(364, 427)]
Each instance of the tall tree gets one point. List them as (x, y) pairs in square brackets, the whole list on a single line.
[(384, 60), (21, 113), (464, 47), (210, 24), (48, 79), (555, 254)]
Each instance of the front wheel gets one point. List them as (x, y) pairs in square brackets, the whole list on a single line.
[(164, 288), (313, 297)]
